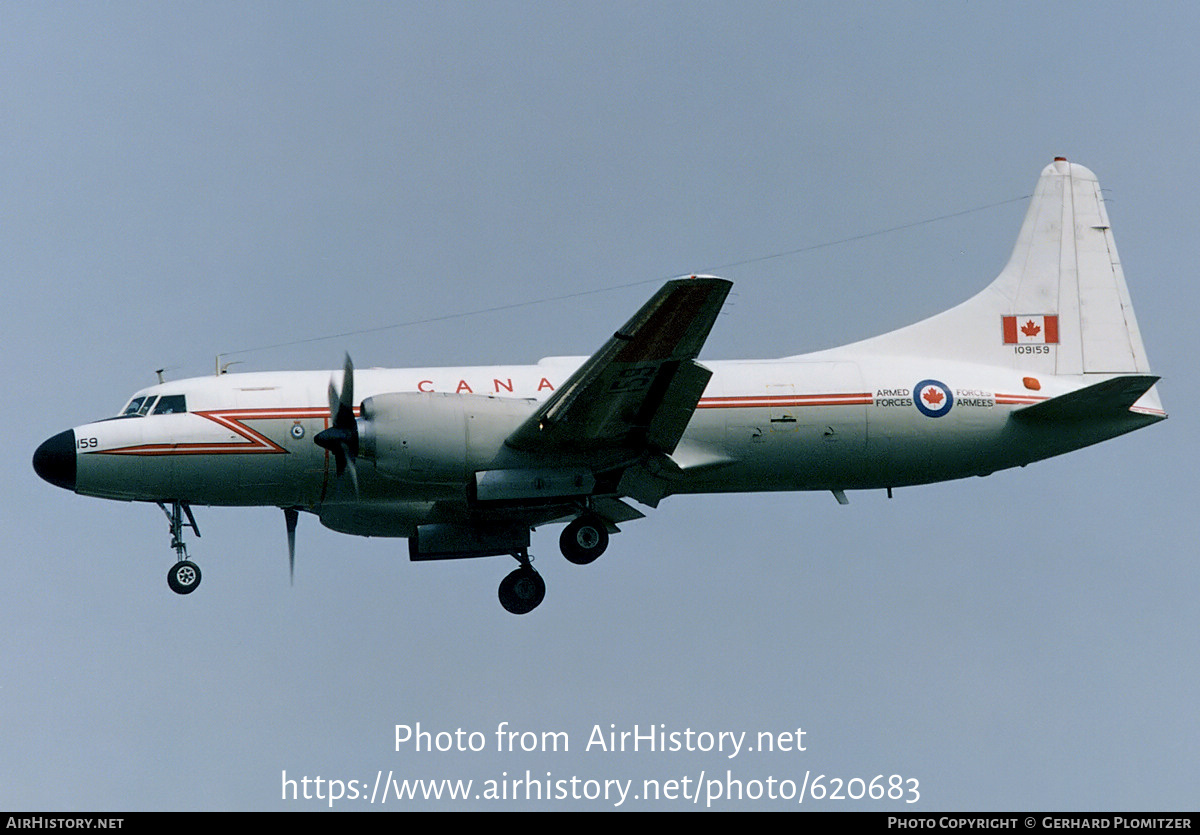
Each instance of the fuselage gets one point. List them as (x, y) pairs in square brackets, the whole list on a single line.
[(814, 422)]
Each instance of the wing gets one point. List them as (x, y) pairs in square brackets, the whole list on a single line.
[(637, 393)]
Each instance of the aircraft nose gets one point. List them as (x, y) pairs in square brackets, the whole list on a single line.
[(54, 460)]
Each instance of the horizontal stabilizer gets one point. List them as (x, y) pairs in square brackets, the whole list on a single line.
[(1111, 397)]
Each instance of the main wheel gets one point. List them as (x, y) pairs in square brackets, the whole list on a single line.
[(584, 540), (522, 590), (183, 577)]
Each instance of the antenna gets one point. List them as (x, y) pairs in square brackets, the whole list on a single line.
[(224, 369)]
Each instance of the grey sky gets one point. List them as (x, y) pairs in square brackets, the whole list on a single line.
[(178, 180)]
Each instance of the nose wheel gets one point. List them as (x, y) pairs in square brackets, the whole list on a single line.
[(184, 576), (523, 589)]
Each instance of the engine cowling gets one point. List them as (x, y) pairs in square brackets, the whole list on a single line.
[(437, 436)]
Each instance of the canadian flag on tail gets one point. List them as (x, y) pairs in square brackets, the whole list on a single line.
[(1041, 329)]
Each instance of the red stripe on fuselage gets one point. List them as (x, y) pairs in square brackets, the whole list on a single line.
[(231, 419), (1018, 399), (769, 400)]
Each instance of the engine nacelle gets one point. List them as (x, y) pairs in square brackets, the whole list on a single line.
[(435, 436)]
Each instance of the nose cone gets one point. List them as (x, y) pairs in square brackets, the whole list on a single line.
[(54, 460)]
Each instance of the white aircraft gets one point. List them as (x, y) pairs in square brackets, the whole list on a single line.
[(465, 461)]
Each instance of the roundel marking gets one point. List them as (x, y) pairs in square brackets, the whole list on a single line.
[(932, 398), (297, 430)]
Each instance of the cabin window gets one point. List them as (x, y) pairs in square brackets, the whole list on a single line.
[(170, 404)]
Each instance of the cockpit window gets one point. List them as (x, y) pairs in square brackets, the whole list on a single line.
[(135, 407), (139, 406), (170, 404)]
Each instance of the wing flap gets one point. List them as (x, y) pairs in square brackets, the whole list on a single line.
[(684, 389), (615, 510)]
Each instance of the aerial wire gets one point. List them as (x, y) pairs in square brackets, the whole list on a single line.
[(614, 287)]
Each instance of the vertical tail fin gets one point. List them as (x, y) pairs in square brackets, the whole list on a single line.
[(1060, 306)]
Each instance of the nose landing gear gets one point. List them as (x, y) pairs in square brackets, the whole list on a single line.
[(184, 576)]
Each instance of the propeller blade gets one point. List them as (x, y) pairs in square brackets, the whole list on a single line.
[(290, 515), (334, 402), (346, 401)]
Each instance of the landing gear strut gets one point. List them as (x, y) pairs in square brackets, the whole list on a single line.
[(523, 589), (184, 576), (584, 540)]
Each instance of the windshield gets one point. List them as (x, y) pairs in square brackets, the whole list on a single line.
[(168, 404), (138, 406)]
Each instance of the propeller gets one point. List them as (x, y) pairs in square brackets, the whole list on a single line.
[(341, 438)]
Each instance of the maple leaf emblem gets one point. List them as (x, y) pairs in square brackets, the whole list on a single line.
[(933, 397), (1030, 329)]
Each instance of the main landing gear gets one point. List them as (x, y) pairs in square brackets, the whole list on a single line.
[(581, 542), (184, 576), (584, 540), (523, 589)]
